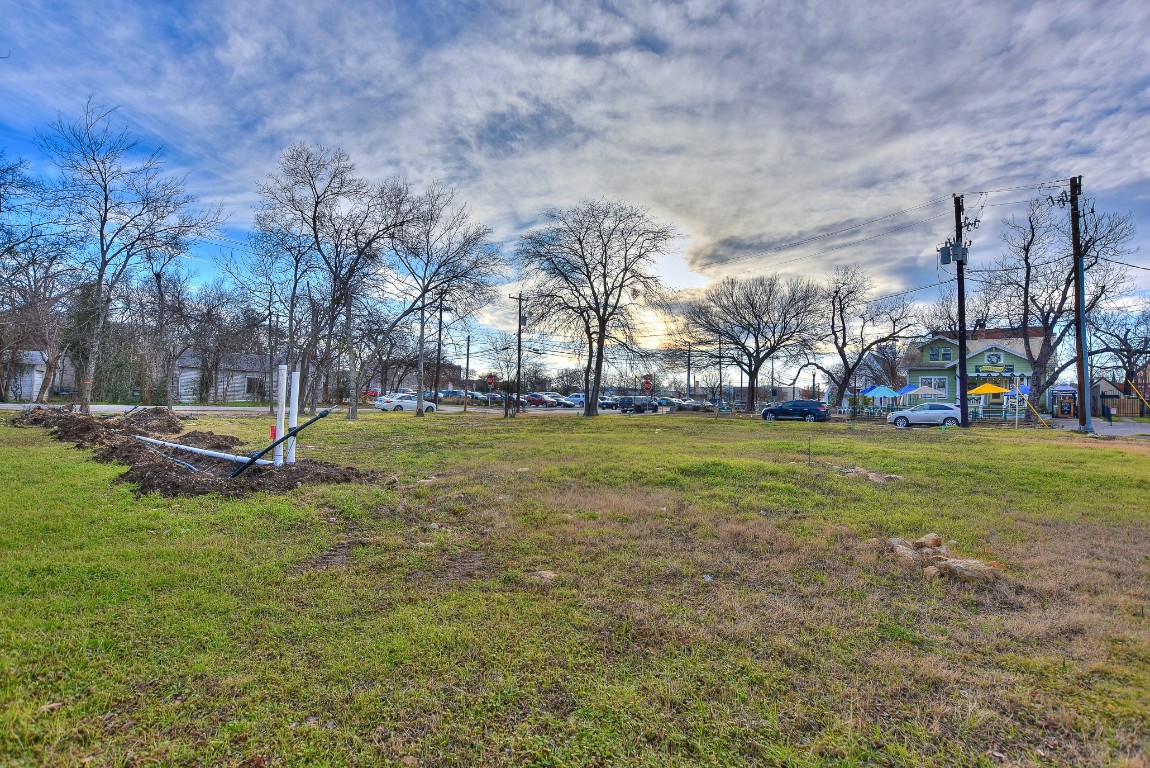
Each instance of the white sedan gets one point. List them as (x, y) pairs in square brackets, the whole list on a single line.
[(927, 413), (403, 402)]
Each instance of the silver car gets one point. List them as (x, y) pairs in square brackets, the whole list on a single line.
[(403, 402), (927, 413)]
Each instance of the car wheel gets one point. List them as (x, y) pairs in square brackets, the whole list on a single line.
[(768, 417), (950, 421), (397, 408), (429, 409), (809, 417), (902, 422)]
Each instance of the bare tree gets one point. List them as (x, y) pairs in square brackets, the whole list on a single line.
[(1122, 341), (754, 320), (589, 271), (442, 257), (856, 325), (122, 206), (885, 364), (348, 222), (1033, 280)]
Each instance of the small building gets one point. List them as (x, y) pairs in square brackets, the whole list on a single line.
[(227, 378), (25, 373), (993, 355)]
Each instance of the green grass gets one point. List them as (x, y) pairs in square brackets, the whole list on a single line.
[(711, 603)]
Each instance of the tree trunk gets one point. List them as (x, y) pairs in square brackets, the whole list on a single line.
[(419, 377), (352, 378)]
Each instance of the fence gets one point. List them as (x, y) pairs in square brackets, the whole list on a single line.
[(1125, 406)]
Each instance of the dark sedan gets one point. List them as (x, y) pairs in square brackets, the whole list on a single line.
[(804, 410)]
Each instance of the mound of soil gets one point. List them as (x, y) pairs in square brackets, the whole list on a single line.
[(170, 471)]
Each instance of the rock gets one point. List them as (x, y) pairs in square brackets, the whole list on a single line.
[(392, 481), (411, 761), (930, 572), (968, 570), (433, 526), (543, 577), (929, 540), (907, 553)]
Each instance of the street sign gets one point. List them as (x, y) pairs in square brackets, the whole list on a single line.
[(490, 381), (646, 386), (646, 377)]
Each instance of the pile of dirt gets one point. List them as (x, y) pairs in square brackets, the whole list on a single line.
[(932, 555), (170, 471), (155, 421)]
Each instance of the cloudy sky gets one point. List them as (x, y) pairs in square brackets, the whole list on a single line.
[(750, 126)]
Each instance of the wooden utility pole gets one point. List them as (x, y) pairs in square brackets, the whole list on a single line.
[(518, 354), (959, 257), (1084, 422), (438, 355), (688, 370)]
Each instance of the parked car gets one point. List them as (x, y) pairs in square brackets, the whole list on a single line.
[(671, 403), (539, 399), (578, 398), (926, 413), (689, 405), (806, 410), (404, 402), (641, 404), (560, 400), (610, 403)]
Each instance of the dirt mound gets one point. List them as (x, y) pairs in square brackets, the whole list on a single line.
[(155, 421), (170, 471), (209, 440)]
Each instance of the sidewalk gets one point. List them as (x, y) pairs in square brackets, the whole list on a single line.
[(1120, 428)]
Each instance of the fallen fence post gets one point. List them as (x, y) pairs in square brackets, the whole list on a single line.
[(200, 451)]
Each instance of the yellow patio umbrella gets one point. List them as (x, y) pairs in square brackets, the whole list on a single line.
[(988, 389)]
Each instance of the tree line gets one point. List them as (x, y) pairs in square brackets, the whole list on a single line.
[(349, 280)]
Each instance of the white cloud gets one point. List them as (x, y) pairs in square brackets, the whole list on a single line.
[(748, 125)]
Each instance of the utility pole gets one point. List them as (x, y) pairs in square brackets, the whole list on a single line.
[(467, 374), (718, 405), (518, 353), (959, 256), (688, 370), (1084, 422), (438, 355)]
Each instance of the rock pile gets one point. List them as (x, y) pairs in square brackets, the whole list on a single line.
[(932, 555)]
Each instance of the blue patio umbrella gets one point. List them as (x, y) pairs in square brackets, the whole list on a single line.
[(866, 392), (907, 389), (881, 391)]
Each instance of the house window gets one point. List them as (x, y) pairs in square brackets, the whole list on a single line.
[(255, 387), (937, 382), (934, 354), (946, 353)]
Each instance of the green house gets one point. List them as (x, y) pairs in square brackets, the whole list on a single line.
[(994, 355)]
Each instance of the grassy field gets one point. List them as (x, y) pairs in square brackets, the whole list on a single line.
[(655, 591)]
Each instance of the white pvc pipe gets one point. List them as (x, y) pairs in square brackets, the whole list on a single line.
[(203, 451), (293, 415), (281, 406)]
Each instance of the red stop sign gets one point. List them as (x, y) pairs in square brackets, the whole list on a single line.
[(646, 386), (490, 381)]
